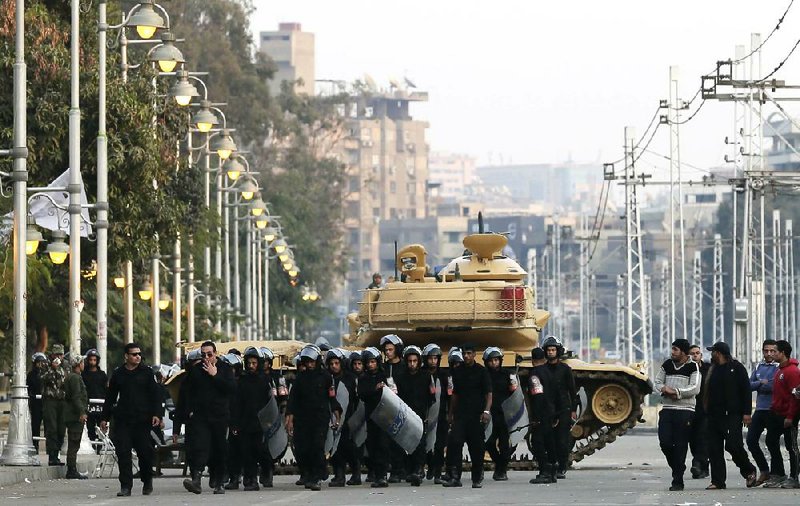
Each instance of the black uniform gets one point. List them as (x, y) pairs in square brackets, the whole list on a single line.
[(546, 406), (497, 444), (417, 391), (311, 402), (471, 384), (346, 452), (726, 401), (698, 438), (96, 383), (34, 382), (396, 371), (377, 440), (253, 392), (204, 406), (564, 383), (132, 400), (436, 457)]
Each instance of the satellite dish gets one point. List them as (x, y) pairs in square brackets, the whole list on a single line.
[(409, 83), (394, 83), (370, 82)]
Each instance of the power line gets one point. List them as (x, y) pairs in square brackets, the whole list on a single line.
[(774, 30), (781, 64), (690, 118)]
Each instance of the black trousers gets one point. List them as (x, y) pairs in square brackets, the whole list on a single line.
[(544, 446), (564, 440), (415, 461), (251, 450), (397, 457), (497, 444), (309, 447), (775, 430), (698, 442), (36, 420), (674, 429), (346, 453), (436, 456), (208, 446), (725, 434), (468, 429), (760, 423), (378, 449), (92, 421), (128, 436), (235, 457)]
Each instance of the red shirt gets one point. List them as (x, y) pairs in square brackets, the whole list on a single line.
[(786, 379)]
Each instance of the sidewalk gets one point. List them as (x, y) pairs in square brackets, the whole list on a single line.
[(9, 475)]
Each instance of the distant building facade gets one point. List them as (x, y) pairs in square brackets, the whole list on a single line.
[(454, 172), (292, 50)]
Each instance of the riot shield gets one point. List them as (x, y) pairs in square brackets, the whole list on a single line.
[(433, 416), (274, 432), (515, 414), (333, 436), (358, 425), (487, 430), (398, 420)]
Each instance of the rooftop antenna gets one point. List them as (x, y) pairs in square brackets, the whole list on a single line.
[(370, 82)]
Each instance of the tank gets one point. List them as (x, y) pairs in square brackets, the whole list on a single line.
[(481, 298)]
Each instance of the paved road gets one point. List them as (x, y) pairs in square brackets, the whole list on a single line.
[(630, 471)]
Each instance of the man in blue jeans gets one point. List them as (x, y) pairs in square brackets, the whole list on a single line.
[(761, 383)]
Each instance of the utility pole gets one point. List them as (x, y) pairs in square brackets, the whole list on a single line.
[(619, 335), (776, 283), (718, 309), (532, 274), (664, 318), (697, 299), (791, 293)]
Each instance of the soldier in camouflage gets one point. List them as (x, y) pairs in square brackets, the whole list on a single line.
[(76, 404), (53, 402)]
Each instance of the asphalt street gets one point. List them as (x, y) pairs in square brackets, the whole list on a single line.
[(630, 471)]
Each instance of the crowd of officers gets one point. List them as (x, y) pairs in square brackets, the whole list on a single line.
[(706, 405), (222, 405)]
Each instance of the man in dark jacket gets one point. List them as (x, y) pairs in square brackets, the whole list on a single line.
[(728, 403), (497, 444), (312, 400), (34, 382), (133, 400), (96, 381), (346, 452), (698, 439), (204, 406), (565, 384), (369, 391), (545, 402), (253, 392), (469, 414), (415, 389)]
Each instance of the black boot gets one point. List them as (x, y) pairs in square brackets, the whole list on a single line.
[(338, 477), (250, 485), (266, 477), (147, 487), (455, 479), (233, 484), (193, 484), (546, 475), (379, 482), (500, 473), (53, 459), (73, 474), (437, 475)]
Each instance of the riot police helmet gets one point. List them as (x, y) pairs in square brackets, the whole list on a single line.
[(492, 352), (553, 341)]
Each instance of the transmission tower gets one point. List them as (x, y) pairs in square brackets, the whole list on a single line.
[(620, 331), (677, 303), (697, 299), (776, 283), (664, 312), (718, 295), (791, 286)]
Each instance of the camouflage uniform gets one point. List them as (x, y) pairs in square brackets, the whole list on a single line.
[(53, 402), (76, 404)]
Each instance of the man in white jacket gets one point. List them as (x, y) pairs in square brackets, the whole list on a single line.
[(678, 382)]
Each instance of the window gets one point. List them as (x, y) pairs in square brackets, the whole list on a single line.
[(354, 183), (354, 237), (453, 237), (368, 112), (376, 160), (376, 212), (705, 199), (352, 210), (392, 187)]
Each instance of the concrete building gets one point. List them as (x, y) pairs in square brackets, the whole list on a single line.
[(455, 172), (782, 154), (292, 50), (386, 153), (441, 236)]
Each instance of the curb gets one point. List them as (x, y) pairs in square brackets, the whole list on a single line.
[(11, 475)]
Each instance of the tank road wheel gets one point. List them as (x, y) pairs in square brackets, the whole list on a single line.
[(612, 403)]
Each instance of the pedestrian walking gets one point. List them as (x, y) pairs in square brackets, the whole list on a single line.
[(678, 382), (34, 382), (96, 381), (204, 406), (53, 394), (76, 403), (761, 382), (546, 404), (132, 405), (565, 385), (785, 409), (698, 438), (497, 444), (470, 407), (728, 403)]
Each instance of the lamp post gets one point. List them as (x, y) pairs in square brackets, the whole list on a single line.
[(19, 450), (74, 187), (155, 312)]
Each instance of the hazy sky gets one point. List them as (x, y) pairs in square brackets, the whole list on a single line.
[(538, 81)]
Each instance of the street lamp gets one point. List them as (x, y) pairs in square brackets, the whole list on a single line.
[(146, 291), (167, 55), (119, 281), (293, 272), (248, 189), (233, 168), (163, 299), (146, 20), (257, 207), (224, 145), (58, 249), (32, 238), (183, 91), (280, 246), (204, 119), (269, 234)]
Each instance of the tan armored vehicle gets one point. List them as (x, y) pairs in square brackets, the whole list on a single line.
[(482, 298)]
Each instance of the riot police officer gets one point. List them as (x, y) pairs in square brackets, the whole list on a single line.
[(394, 368), (369, 391), (279, 390), (253, 392), (204, 405), (432, 355), (414, 388), (96, 381), (356, 366), (34, 382), (346, 453), (53, 394), (497, 444), (545, 405), (455, 359), (312, 403), (469, 413), (564, 383)]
